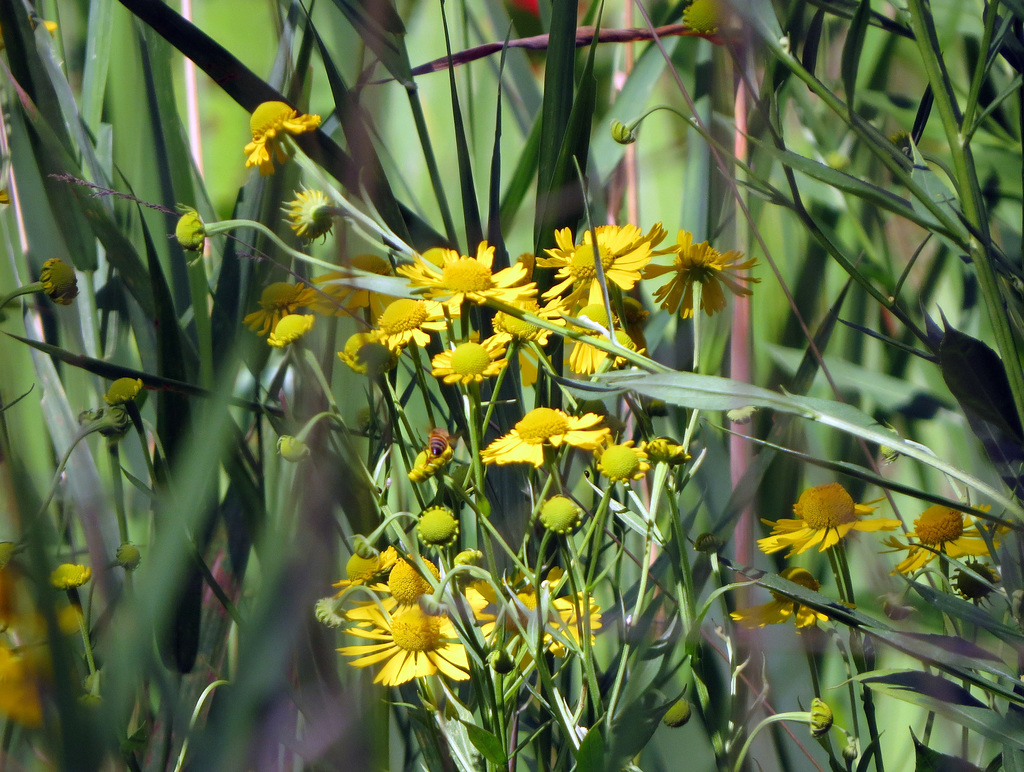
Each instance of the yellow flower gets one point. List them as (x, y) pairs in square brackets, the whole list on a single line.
[(460, 277), (508, 328), (622, 463), (413, 644), (438, 527), (943, 530), (469, 362), (123, 390), (51, 27), (67, 576), (624, 251), (290, 329), (702, 16), (59, 281), (277, 300), (310, 214), (515, 612), (19, 689), (704, 265), (826, 513), (406, 320), (270, 122), (365, 571), (782, 608), (544, 427), (666, 451), (365, 354), (585, 359), (342, 298), (405, 583)]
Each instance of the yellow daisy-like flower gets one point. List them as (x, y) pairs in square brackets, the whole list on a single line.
[(826, 514), (277, 300), (405, 583), (367, 571), (270, 122), (414, 644), (310, 214), (513, 613), (59, 281), (700, 264), (460, 277), (469, 362), (365, 354), (406, 320), (508, 328), (782, 608), (544, 427), (290, 329), (67, 576), (342, 298), (666, 451), (123, 390), (622, 463), (943, 530), (624, 251), (585, 359)]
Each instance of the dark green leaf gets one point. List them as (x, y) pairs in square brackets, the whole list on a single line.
[(852, 49), (812, 41), (590, 756), (489, 746), (927, 760)]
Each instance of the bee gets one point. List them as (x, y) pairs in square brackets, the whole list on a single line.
[(438, 441)]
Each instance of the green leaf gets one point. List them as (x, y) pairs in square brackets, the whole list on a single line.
[(853, 48), (488, 744), (970, 613), (927, 760), (809, 56), (590, 757)]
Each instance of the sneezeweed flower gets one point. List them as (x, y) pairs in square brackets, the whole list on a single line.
[(406, 320), (508, 328), (975, 581), (663, 450), (405, 583), (292, 448), (821, 717), (781, 608), (128, 556), (703, 16), (704, 265), (622, 463), (585, 359), (413, 643), (343, 298), (825, 514), (544, 427), (633, 321), (59, 281), (289, 329), (460, 277), (560, 515), (68, 576), (190, 231), (123, 390), (623, 250), (366, 570), (277, 300), (428, 463), (469, 362), (365, 354), (270, 123), (310, 214), (938, 530), (515, 612), (438, 527)]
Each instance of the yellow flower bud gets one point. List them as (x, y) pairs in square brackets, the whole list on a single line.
[(821, 717), (190, 230), (59, 281), (292, 448), (622, 133), (123, 390), (67, 576)]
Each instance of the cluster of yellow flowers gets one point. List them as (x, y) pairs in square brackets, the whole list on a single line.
[(827, 514)]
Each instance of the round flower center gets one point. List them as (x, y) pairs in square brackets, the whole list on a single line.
[(413, 630), (438, 526), (280, 294), (406, 585), (360, 569), (467, 275), (540, 424), (560, 514), (582, 264), (268, 115), (517, 328), (470, 359), (825, 506), (800, 576), (595, 312), (619, 462), (403, 315), (702, 16), (699, 263), (938, 525)]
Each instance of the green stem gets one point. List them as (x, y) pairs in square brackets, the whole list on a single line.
[(118, 485)]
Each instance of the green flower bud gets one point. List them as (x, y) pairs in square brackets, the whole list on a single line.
[(622, 133), (328, 612), (678, 715), (438, 527), (821, 718), (708, 543), (128, 556), (190, 230), (469, 558), (500, 661), (560, 514), (363, 548), (59, 281), (292, 448)]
